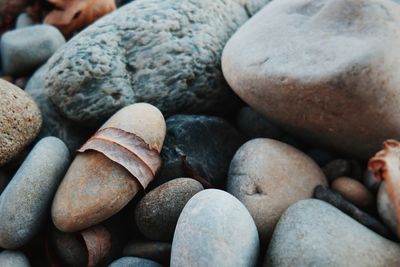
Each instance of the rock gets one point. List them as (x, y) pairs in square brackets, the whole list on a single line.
[(215, 229), (386, 209), (370, 182), (277, 63), (157, 251), (20, 121), (24, 20), (337, 168), (70, 248), (313, 233), (208, 143), (254, 125), (320, 156), (95, 187), (164, 52), (353, 191), (54, 124), (267, 176), (12, 258), (134, 262), (26, 201), (158, 211), (23, 50)]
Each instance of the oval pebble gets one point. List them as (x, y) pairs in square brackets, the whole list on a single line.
[(134, 262), (353, 191), (13, 258)]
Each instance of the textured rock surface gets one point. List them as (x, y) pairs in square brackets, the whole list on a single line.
[(158, 211), (134, 262), (152, 250), (312, 66), (215, 229), (12, 258), (26, 200), (386, 209), (20, 121), (313, 233), (164, 52), (268, 176)]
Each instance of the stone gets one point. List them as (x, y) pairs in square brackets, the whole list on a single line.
[(158, 211), (370, 182), (255, 125), (208, 144), (320, 156), (267, 176), (215, 229), (24, 20), (314, 233), (312, 66), (95, 187), (337, 168), (54, 124), (353, 191), (163, 52), (153, 250), (386, 209), (134, 262), (26, 201), (25, 49), (13, 258), (20, 121)]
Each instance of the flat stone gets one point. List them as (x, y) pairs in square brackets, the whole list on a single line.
[(153, 250), (20, 121), (215, 229), (26, 201), (13, 258), (134, 262), (324, 70)]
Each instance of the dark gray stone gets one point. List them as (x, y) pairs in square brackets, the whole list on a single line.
[(152, 250), (164, 52), (208, 143), (54, 124), (12, 258), (26, 201), (215, 229), (314, 233), (23, 50), (337, 168), (134, 262)]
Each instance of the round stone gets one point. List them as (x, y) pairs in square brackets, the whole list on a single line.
[(353, 191), (13, 258)]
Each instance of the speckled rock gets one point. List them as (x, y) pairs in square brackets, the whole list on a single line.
[(23, 50), (353, 191), (26, 200), (20, 121), (12, 258), (54, 124), (311, 66), (268, 176), (164, 52), (158, 211), (215, 229), (386, 209), (314, 233), (208, 143), (134, 262), (153, 250)]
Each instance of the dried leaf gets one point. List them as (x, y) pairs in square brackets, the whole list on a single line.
[(128, 150), (385, 165), (72, 15), (98, 243)]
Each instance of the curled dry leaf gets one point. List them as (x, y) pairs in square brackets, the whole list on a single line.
[(98, 243), (72, 15), (128, 150), (385, 165)]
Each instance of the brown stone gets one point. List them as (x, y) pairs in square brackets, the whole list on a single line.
[(353, 191)]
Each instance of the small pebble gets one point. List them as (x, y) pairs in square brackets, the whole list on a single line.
[(322, 157), (24, 20), (337, 168), (353, 191), (157, 251), (134, 262), (13, 258)]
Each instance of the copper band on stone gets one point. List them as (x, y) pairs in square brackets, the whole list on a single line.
[(128, 150)]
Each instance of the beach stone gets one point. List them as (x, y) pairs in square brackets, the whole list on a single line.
[(267, 176), (20, 121), (163, 52), (353, 191), (208, 144), (25, 49), (215, 229), (158, 211), (153, 250), (13, 258), (337, 168), (54, 124), (134, 262), (386, 209), (25, 202), (290, 63), (314, 233), (24, 20)]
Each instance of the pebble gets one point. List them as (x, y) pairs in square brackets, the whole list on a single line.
[(164, 52), (134, 262), (20, 121), (158, 211), (13, 258), (353, 191), (24, 20), (69, 248), (337, 168), (314, 233), (157, 251), (25, 49), (268, 176), (215, 229), (25, 202), (208, 142), (277, 63), (320, 156), (386, 209)]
